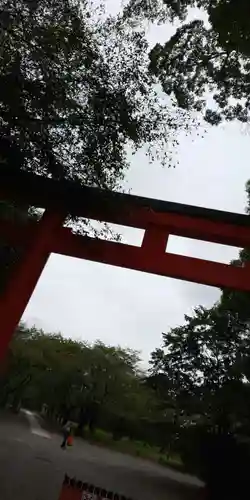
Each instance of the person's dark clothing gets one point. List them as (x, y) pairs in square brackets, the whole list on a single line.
[(66, 434)]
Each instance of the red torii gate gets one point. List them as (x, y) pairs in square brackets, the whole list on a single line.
[(159, 219)]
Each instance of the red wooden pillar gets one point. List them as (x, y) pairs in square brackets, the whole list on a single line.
[(24, 279)]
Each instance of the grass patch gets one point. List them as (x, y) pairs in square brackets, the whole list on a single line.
[(124, 445), (135, 448)]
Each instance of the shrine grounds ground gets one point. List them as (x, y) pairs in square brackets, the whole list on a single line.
[(32, 467)]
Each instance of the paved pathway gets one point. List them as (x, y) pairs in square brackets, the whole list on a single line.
[(35, 426), (32, 467)]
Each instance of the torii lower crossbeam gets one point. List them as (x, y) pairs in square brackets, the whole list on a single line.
[(159, 219)]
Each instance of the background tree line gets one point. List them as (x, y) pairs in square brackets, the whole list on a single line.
[(96, 386)]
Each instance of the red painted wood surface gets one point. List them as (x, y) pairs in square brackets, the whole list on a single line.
[(155, 262), (22, 283), (150, 257), (159, 219)]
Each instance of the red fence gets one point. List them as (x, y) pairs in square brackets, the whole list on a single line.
[(72, 489)]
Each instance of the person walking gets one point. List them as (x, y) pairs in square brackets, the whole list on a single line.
[(66, 434)]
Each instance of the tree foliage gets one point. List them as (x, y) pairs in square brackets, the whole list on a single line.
[(206, 365), (206, 361), (75, 94), (90, 384), (74, 91), (205, 65)]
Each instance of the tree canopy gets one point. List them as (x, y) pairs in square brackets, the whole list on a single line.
[(75, 95), (205, 65), (75, 92)]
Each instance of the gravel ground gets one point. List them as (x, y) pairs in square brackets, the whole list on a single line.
[(32, 467)]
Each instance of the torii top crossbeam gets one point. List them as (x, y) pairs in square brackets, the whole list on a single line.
[(159, 219), (135, 211)]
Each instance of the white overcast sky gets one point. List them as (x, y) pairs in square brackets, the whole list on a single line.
[(89, 301)]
